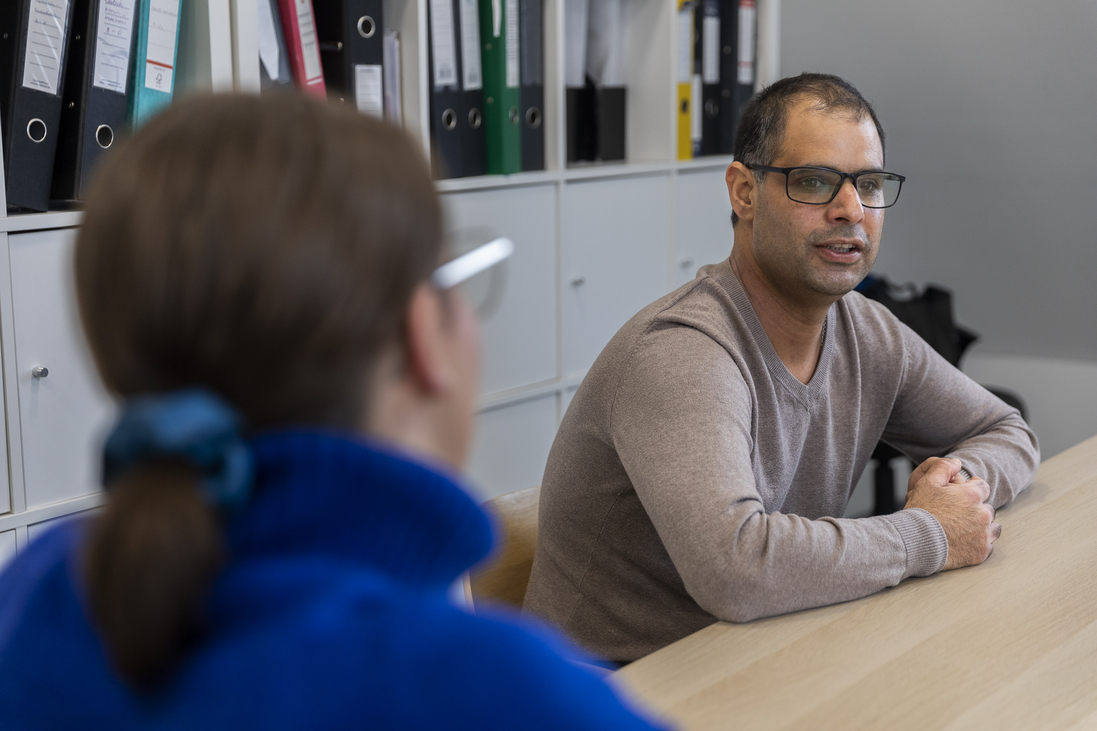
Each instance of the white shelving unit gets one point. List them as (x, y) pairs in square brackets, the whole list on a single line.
[(594, 244)]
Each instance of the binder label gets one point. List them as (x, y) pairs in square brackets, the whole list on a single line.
[(112, 44), (470, 45), (513, 79), (49, 19), (367, 89), (442, 43), (710, 50), (746, 41), (163, 33), (310, 48)]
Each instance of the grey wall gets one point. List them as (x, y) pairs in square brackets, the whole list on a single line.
[(990, 110)]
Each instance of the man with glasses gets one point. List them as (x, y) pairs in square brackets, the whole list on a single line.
[(702, 468)]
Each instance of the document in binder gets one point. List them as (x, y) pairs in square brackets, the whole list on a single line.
[(352, 51), (274, 70), (152, 81), (446, 130), (33, 44), (532, 93), (299, 27), (707, 59), (579, 100), (93, 113), (685, 79), (394, 110), (729, 75), (499, 55), (473, 136), (605, 70), (748, 33)]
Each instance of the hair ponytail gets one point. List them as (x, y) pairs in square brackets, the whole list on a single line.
[(152, 555)]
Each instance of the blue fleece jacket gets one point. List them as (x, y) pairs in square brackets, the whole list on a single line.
[(331, 613)]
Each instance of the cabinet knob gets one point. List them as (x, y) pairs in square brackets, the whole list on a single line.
[(578, 280), (39, 371), (685, 262)]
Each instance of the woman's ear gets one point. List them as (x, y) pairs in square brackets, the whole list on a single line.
[(428, 359), (742, 190)]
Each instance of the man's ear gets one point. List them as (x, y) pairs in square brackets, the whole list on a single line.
[(428, 366), (742, 190)]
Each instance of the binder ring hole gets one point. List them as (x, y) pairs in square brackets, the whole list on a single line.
[(104, 135), (514, 115), (533, 117), (475, 118), (366, 27), (449, 119), (36, 130), (712, 108)]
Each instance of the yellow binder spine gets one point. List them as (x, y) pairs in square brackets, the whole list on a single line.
[(685, 77)]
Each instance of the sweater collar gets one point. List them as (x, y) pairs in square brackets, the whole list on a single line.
[(339, 495), (725, 275)]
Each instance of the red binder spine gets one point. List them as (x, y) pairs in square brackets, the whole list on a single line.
[(299, 26)]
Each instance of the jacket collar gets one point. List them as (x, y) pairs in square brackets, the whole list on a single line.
[(332, 494)]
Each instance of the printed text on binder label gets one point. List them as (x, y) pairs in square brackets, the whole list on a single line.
[(310, 48), (746, 41), (163, 33), (367, 89), (45, 44), (710, 50), (512, 44), (112, 44), (442, 43), (470, 45)]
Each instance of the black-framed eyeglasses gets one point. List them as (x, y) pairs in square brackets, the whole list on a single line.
[(818, 186)]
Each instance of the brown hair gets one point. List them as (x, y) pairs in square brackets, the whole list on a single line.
[(761, 128), (265, 248)]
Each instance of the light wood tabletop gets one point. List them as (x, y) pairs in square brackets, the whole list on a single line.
[(1010, 644)]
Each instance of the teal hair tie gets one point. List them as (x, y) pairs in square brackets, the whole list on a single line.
[(195, 425)]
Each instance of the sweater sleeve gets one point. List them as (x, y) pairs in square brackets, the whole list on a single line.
[(682, 424), (940, 412)]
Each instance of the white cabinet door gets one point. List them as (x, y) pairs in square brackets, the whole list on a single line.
[(512, 446), (63, 415), (702, 223), (7, 548), (613, 259), (519, 327)]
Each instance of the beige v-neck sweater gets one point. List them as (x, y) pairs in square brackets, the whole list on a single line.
[(694, 478)]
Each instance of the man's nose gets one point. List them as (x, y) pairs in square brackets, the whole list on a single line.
[(847, 206)]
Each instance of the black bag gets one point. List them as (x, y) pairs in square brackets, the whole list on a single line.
[(928, 313)]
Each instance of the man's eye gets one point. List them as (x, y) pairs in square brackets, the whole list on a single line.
[(868, 185)]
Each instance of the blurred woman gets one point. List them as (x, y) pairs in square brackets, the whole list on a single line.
[(255, 280)]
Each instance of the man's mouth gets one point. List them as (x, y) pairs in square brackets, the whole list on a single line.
[(843, 251), (841, 248)]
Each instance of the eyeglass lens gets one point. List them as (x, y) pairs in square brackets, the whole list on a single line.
[(484, 290), (816, 185)]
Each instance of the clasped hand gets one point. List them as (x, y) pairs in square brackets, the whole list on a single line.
[(960, 507)]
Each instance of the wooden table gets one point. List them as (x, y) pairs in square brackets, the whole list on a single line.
[(1010, 644)]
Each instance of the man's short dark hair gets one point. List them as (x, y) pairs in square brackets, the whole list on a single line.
[(764, 118)]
